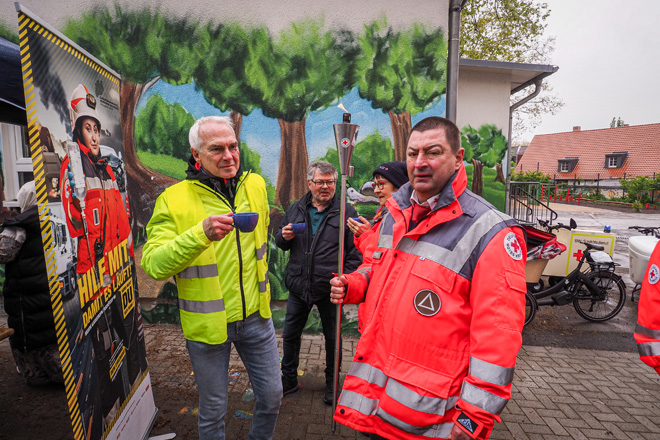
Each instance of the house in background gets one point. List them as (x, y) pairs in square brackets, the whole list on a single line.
[(517, 153), (604, 155)]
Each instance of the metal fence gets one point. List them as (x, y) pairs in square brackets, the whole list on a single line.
[(528, 202)]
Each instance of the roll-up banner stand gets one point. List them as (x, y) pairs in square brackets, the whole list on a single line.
[(75, 140)]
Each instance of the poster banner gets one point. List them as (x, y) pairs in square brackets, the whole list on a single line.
[(74, 126)]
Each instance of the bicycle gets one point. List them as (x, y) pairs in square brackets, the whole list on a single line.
[(597, 295), (647, 230)]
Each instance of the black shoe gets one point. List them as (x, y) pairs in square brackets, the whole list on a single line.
[(289, 387), (327, 397)]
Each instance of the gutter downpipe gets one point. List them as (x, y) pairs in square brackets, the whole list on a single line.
[(455, 8), (537, 81)]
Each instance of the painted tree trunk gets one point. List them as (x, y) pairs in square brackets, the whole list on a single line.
[(292, 172), (401, 125), (144, 184), (500, 174), (237, 119), (477, 177)]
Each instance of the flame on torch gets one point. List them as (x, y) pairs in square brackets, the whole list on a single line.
[(341, 106)]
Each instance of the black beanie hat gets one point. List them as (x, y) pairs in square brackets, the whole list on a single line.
[(395, 172)]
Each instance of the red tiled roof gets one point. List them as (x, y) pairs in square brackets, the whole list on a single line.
[(641, 142)]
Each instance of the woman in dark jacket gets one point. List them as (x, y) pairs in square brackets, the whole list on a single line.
[(27, 296)]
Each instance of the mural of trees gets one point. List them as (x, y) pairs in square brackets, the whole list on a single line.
[(163, 128), (220, 74), (304, 69), (485, 146), (402, 73)]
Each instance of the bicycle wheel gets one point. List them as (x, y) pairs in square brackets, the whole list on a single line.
[(604, 305), (530, 308)]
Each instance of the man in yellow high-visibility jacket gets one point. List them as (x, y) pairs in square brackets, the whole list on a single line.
[(221, 275)]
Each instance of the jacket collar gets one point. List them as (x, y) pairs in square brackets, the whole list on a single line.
[(306, 201), (456, 185)]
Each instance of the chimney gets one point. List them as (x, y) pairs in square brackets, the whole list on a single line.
[(576, 128)]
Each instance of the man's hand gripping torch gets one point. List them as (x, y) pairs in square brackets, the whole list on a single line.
[(345, 136)]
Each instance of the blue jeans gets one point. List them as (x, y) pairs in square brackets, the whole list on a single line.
[(254, 339), (297, 312)]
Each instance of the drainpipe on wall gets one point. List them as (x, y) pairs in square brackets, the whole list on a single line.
[(455, 8), (537, 81)]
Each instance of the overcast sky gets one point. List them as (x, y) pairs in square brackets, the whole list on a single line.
[(608, 53)]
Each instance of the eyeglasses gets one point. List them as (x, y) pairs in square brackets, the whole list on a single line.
[(321, 183), (380, 184)]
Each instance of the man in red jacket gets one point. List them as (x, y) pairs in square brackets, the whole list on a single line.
[(444, 299), (647, 332)]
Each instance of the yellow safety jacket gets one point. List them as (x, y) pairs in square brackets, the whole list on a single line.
[(217, 281)]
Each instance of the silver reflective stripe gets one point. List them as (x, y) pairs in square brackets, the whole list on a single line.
[(263, 285), (93, 182), (358, 402), (364, 272), (411, 399), (452, 259), (206, 271), (366, 372), (261, 251), (110, 184), (649, 349), (385, 241), (491, 373), (489, 402), (647, 332), (216, 305), (369, 407), (441, 430)]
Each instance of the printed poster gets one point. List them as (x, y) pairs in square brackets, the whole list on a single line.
[(74, 126)]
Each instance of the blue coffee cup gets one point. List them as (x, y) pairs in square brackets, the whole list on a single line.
[(299, 228), (246, 221)]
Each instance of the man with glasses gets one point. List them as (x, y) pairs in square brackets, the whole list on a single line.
[(312, 261)]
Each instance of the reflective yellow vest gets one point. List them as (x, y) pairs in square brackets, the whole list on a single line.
[(217, 282)]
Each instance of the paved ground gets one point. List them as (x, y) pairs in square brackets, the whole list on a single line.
[(558, 392)]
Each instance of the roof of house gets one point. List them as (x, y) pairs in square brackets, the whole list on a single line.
[(590, 147)]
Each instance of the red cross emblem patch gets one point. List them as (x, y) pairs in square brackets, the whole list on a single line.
[(345, 142), (654, 274), (512, 246)]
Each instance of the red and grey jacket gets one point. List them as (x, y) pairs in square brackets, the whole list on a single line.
[(107, 220), (443, 313), (647, 332)]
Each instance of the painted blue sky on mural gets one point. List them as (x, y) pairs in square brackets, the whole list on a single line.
[(262, 134)]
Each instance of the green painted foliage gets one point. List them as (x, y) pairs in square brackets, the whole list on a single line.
[(402, 71), (487, 144), (163, 128), (277, 261), (141, 44), (368, 154), (304, 69), (8, 34), (220, 74)]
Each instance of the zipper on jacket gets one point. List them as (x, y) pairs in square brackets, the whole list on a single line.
[(224, 200)]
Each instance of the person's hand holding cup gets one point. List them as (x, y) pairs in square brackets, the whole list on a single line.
[(358, 225)]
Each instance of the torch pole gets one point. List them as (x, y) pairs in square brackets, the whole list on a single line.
[(345, 136), (342, 234)]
